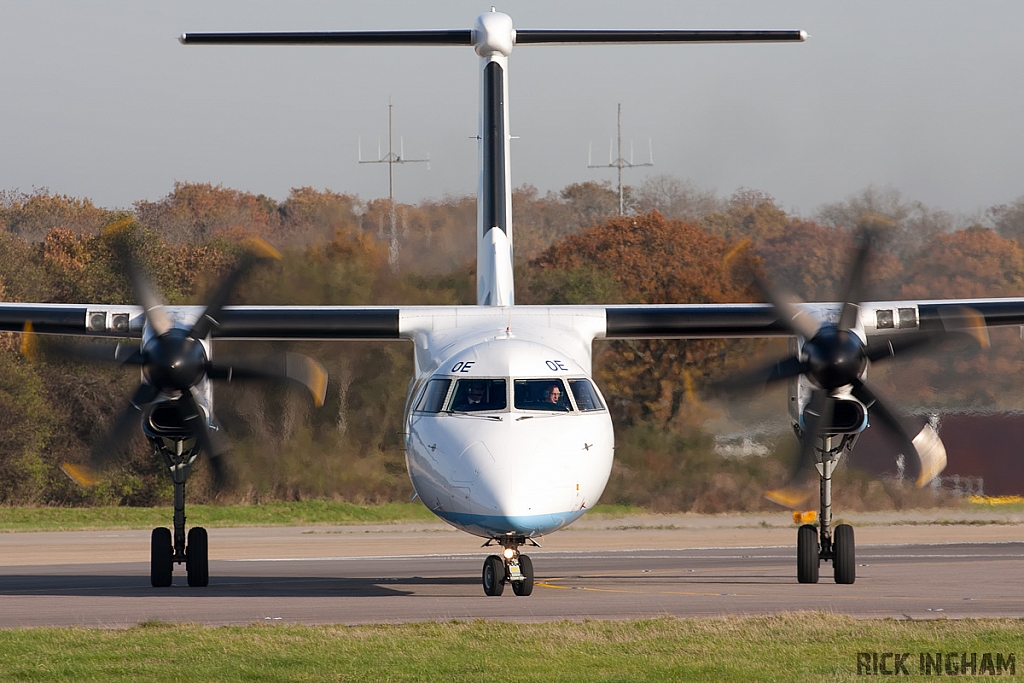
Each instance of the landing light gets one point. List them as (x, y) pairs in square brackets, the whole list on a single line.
[(509, 553)]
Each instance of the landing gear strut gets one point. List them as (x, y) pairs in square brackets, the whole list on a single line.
[(179, 455), (824, 543), (509, 567)]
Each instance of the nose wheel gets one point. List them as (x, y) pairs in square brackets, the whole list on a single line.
[(509, 567), (162, 558)]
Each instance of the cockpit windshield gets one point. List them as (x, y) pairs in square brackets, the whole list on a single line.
[(541, 394), (479, 394), (585, 395)]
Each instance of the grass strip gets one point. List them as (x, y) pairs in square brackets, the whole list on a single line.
[(303, 513), (786, 647), (311, 513)]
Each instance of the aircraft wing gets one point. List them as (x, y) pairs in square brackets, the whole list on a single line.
[(236, 322), (627, 321), (761, 320)]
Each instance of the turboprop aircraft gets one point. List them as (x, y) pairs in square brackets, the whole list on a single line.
[(507, 435)]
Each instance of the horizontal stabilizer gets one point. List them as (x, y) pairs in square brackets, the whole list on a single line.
[(439, 37), (526, 36), (530, 36)]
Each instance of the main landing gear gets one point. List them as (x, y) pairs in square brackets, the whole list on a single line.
[(509, 567), (824, 543), (179, 454)]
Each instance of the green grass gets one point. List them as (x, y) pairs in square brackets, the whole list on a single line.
[(305, 513), (311, 513), (787, 647), (1015, 506)]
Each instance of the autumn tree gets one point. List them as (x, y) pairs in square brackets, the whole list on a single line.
[(591, 202), (32, 216), (813, 261), (194, 212), (675, 198), (911, 224), (975, 262), (436, 236), (309, 215), (748, 214), (1008, 219), (652, 260)]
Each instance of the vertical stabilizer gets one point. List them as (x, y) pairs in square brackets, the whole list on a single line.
[(493, 38)]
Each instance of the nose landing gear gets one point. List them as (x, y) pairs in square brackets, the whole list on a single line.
[(509, 567)]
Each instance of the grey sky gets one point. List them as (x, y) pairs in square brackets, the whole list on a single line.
[(100, 100)]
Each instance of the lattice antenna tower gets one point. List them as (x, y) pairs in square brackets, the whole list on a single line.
[(391, 159), (620, 163)]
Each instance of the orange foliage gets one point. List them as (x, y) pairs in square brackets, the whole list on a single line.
[(653, 260), (968, 263)]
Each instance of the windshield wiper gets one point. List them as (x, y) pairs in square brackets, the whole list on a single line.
[(468, 414)]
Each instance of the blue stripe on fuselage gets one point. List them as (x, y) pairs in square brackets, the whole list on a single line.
[(490, 526)]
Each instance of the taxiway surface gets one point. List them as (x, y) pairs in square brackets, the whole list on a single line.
[(938, 565)]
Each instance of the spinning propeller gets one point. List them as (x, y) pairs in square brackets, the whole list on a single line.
[(174, 363), (834, 358)]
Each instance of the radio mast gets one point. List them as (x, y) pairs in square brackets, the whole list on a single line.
[(391, 159), (620, 163)]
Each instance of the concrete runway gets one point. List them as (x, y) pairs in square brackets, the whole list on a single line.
[(944, 564)]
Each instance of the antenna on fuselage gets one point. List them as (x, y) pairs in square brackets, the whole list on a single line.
[(391, 159), (620, 163)]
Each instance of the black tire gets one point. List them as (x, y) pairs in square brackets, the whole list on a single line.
[(524, 587), (844, 559), (161, 558), (197, 557), (494, 575), (807, 557)]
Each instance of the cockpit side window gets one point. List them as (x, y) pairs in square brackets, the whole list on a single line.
[(585, 395), (479, 394), (540, 394), (432, 400)]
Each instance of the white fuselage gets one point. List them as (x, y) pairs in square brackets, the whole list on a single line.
[(513, 465)]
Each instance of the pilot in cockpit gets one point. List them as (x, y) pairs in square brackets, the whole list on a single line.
[(553, 394), (472, 399)]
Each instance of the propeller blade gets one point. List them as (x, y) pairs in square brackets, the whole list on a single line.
[(83, 475), (107, 450), (925, 448), (793, 316), (144, 293), (967, 321), (120, 354), (901, 344), (194, 419), (257, 249), (854, 290), (294, 367), (795, 493), (759, 377)]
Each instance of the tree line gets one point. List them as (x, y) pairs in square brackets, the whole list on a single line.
[(676, 244)]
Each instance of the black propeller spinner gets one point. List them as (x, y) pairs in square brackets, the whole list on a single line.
[(834, 359), (174, 363)]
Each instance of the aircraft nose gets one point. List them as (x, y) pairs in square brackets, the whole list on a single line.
[(522, 472)]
